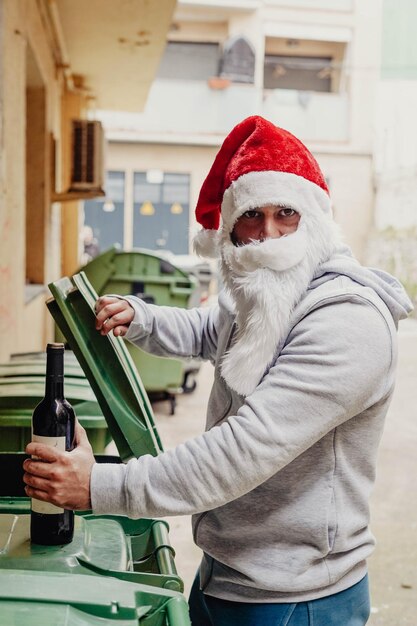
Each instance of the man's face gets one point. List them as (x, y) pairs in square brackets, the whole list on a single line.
[(269, 222)]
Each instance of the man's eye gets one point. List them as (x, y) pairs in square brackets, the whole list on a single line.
[(251, 214), (287, 212)]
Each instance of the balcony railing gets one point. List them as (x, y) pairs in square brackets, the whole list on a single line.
[(312, 116), (192, 111), (333, 5)]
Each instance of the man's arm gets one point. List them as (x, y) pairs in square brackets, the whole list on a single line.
[(160, 330)]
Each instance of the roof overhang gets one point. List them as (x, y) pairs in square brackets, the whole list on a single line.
[(112, 48)]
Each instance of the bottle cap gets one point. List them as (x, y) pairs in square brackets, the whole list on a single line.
[(55, 346)]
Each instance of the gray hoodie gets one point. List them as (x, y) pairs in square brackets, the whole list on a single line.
[(279, 483)]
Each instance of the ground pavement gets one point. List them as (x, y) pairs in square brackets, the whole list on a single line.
[(393, 567)]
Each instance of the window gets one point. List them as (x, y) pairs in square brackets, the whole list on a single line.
[(238, 61), (297, 72), (189, 61), (305, 64), (161, 211), (104, 218)]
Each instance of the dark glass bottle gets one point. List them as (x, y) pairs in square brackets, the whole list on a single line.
[(53, 423)]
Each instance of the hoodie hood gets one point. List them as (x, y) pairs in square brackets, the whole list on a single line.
[(388, 288)]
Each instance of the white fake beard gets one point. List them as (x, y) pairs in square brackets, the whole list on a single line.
[(266, 280)]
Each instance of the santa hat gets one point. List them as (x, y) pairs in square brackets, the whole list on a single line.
[(259, 164)]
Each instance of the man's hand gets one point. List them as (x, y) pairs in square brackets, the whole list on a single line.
[(113, 313), (61, 478)]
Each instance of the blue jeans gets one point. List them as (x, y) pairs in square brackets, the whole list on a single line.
[(346, 608)]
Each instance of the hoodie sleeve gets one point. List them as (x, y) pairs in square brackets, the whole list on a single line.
[(174, 332), (338, 361)]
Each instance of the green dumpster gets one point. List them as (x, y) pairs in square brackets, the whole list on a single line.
[(36, 367), (117, 570), (15, 427), (22, 386), (143, 273), (156, 280), (45, 599)]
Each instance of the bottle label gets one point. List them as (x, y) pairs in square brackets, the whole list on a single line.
[(38, 506)]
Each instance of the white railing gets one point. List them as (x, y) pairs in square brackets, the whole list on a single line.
[(312, 116), (192, 111), (333, 5)]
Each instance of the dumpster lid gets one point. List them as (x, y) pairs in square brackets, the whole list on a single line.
[(108, 367), (51, 598)]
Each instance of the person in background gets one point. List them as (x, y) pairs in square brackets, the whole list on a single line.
[(90, 245), (303, 341)]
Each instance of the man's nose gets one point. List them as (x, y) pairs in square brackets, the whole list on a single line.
[(271, 229)]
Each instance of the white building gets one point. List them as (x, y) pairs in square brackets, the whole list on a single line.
[(394, 240), (310, 66)]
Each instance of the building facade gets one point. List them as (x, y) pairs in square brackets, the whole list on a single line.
[(310, 66)]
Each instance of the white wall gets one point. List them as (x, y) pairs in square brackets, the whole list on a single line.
[(352, 196), (396, 155)]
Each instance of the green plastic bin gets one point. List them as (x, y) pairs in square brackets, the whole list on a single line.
[(37, 367), (145, 274), (116, 571), (108, 366), (22, 386), (16, 429), (107, 546), (45, 599)]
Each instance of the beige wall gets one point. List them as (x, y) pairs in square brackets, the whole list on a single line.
[(12, 174), (26, 61)]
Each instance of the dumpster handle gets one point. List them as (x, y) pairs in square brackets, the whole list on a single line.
[(164, 552), (177, 612)]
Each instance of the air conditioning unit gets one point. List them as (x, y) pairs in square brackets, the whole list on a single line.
[(87, 168)]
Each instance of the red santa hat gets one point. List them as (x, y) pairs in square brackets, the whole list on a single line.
[(258, 164)]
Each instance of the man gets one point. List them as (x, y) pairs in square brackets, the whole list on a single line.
[(304, 348)]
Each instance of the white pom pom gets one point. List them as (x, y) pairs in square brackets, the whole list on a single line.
[(207, 243)]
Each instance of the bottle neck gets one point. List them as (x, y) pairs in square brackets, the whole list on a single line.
[(54, 381)]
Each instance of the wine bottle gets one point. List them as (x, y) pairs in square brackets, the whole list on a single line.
[(53, 423)]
